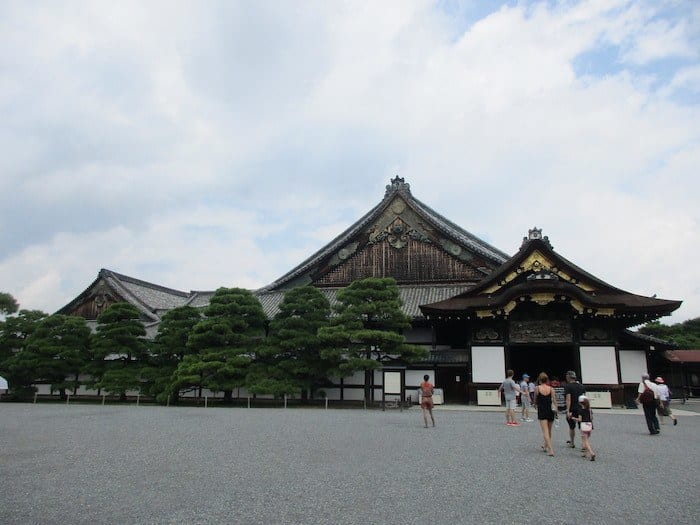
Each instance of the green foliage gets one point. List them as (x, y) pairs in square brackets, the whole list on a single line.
[(57, 349), (222, 343), (8, 304), (368, 329), (14, 334), (168, 350), (119, 337), (292, 361), (686, 334)]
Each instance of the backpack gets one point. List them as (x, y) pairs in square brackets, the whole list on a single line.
[(647, 396)]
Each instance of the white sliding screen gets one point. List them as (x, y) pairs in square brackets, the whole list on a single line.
[(598, 365), (488, 364)]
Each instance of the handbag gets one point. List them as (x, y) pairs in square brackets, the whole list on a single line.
[(647, 396), (586, 426)]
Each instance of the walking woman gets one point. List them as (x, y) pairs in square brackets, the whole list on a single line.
[(546, 409)]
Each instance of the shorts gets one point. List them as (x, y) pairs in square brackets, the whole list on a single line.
[(525, 401), (426, 402), (572, 422), (665, 408), (511, 404)]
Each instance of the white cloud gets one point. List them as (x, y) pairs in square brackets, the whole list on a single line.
[(198, 145)]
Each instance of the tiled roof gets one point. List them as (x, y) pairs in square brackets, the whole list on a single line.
[(412, 297), (683, 356), (397, 187)]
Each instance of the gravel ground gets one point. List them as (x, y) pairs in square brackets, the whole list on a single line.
[(154, 465)]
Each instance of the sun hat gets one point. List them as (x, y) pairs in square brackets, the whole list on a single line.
[(659, 379)]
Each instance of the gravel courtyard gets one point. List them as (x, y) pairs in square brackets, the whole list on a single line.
[(155, 465)]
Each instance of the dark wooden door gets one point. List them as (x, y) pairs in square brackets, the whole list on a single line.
[(453, 382)]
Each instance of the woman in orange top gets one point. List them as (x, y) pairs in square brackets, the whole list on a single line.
[(426, 402)]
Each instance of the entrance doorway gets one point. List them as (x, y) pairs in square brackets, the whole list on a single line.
[(555, 360), (452, 380)]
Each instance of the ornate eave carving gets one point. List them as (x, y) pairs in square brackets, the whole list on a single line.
[(397, 225), (534, 263)]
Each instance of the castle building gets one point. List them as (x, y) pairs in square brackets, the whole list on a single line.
[(478, 310)]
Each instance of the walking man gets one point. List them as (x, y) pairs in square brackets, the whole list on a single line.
[(648, 396), (572, 390), (510, 390), (525, 398)]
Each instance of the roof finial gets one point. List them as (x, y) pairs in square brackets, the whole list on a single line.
[(398, 184), (535, 234)]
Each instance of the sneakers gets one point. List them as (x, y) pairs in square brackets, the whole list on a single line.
[(528, 420), (513, 424)]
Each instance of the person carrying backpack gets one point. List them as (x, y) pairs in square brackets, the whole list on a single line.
[(648, 396)]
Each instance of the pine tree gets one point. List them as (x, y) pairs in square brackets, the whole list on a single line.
[(367, 331), (292, 359), (14, 334), (119, 350), (223, 343), (169, 349)]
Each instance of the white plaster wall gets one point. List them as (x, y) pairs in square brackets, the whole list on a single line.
[(358, 378), (332, 393), (354, 394), (488, 364), (633, 363), (415, 377), (598, 365)]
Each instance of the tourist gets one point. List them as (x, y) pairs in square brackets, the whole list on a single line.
[(546, 407), (510, 390), (572, 390), (648, 396), (426, 400), (525, 398), (665, 400), (585, 420)]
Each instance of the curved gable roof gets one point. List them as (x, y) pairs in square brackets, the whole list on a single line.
[(457, 237), (552, 278)]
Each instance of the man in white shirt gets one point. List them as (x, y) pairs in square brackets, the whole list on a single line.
[(648, 396)]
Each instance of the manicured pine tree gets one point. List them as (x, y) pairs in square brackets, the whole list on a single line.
[(292, 359), (120, 336), (168, 350), (14, 333), (223, 343), (367, 331), (8, 304), (56, 351)]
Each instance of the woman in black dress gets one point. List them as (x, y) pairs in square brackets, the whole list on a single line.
[(546, 409)]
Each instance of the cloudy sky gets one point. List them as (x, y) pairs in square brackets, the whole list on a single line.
[(207, 144)]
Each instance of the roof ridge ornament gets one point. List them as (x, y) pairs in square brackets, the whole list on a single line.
[(535, 234), (398, 184)]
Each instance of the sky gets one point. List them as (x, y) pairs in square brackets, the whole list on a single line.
[(205, 144)]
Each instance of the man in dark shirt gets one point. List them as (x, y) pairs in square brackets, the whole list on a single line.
[(572, 390)]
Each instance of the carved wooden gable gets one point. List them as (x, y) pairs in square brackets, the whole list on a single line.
[(98, 298), (400, 244)]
